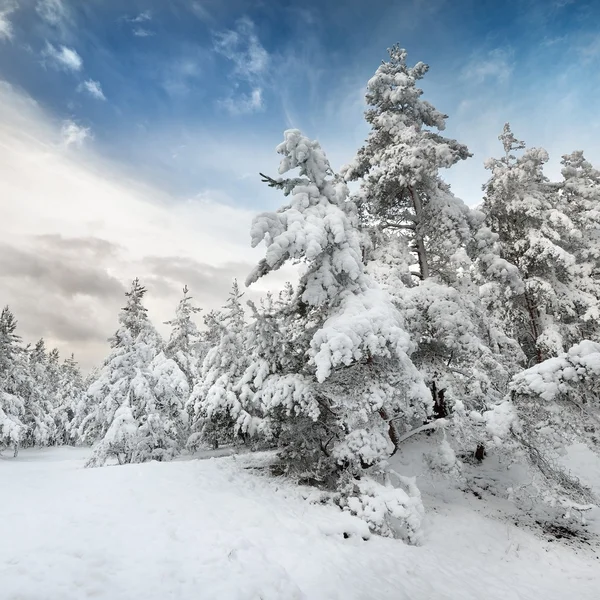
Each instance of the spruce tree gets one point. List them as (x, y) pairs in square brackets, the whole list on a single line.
[(214, 403), (135, 405), (341, 407), (14, 377), (427, 248), (183, 342), (536, 235)]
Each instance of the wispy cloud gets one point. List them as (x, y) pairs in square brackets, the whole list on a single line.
[(201, 12), (142, 17), (141, 32), (73, 134), (178, 75), (251, 61), (242, 46), (63, 57), (54, 12), (6, 28), (589, 49), (244, 103), (139, 23), (496, 64), (93, 88)]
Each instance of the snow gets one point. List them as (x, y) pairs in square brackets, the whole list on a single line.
[(213, 529)]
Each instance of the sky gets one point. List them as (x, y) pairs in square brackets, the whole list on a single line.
[(132, 132)]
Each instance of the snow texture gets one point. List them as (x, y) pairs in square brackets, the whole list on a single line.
[(210, 529)]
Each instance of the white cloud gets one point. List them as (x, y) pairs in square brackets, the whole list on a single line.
[(141, 32), (54, 12), (6, 28), (251, 61), (73, 134), (75, 211), (243, 47), (245, 103), (142, 17), (93, 88), (63, 57), (200, 11), (494, 65)]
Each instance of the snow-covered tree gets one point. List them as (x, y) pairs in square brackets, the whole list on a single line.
[(426, 246), (183, 342), (398, 167), (344, 408), (135, 406), (214, 403), (580, 191), (536, 235), (69, 393), (13, 383)]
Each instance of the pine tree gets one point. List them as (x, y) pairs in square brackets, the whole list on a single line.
[(535, 234), (214, 403), (184, 339), (343, 409), (426, 246), (580, 191), (401, 191), (13, 383), (134, 407), (70, 390)]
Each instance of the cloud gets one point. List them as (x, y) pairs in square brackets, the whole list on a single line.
[(251, 61), (76, 229), (201, 12), (6, 28), (93, 88), (54, 12), (495, 65), (63, 57), (245, 103), (242, 46), (141, 32), (178, 75), (142, 17), (74, 134)]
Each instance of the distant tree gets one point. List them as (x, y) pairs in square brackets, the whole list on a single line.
[(182, 346), (214, 403), (70, 390), (14, 376), (537, 236), (134, 407)]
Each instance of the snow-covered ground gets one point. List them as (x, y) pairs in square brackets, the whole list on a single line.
[(210, 529)]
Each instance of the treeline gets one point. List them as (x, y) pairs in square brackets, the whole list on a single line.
[(414, 312)]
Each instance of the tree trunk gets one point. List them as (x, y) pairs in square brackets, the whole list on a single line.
[(419, 243), (392, 431)]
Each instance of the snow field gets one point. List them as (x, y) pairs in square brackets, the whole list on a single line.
[(211, 530)]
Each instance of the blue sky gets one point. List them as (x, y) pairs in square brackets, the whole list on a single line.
[(132, 132), (190, 94)]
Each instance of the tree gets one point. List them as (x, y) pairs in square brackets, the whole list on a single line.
[(426, 247), (214, 403), (398, 167), (134, 407), (184, 338), (580, 191), (535, 234), (13, 383), (70, 388), (343, 409)]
